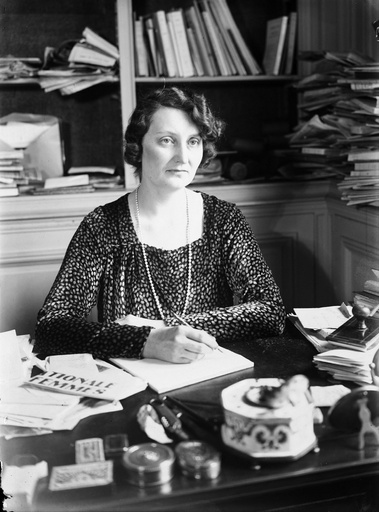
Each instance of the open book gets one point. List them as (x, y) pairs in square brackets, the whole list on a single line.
[(163, 376)]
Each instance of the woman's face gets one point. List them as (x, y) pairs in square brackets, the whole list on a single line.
[(172, 149)]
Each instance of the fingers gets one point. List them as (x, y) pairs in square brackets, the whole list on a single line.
[(201, 337), (179, 344)]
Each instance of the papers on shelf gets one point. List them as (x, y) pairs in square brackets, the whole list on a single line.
[(163, 376)]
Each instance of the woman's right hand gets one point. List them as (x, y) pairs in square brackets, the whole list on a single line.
[(178, 344)]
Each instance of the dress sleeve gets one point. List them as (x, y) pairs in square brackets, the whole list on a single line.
[(62, 325), (258, 310)]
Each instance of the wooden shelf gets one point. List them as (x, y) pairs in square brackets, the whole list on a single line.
[(218, 79)]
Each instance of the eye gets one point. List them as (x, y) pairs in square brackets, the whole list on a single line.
[(195, 142), (167, 140)]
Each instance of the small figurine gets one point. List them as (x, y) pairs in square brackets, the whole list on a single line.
[(367, 427), (292, 391)]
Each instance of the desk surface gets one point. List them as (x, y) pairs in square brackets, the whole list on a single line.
[(338, 471)]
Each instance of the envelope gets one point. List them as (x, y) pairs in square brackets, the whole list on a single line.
[(39, 136)]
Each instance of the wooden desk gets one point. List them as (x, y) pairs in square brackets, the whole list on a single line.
[(337, 478)]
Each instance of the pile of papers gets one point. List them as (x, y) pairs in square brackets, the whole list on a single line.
[(338, 132), (342, 364), (67, 389), (347, 365)]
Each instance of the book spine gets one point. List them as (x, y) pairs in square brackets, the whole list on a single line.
[(290, 54), (141, 57), (205, 40), (194, 24), (196, 58), (250, 62), (231, 50), (175, 44), (214, 38), (167, 49), (182, 43)]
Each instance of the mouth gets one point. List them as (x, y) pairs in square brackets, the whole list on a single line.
[(178, 171)]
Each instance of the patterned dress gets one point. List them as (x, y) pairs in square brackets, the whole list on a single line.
[(104, 266)]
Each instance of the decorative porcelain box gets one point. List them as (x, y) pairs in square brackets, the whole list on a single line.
[(269, 418)]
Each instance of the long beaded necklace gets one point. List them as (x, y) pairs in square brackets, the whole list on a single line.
[(189, 270)]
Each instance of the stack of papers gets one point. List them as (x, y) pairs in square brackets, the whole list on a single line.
[(347, 365), (317, 323), (70, 388), (342, 364)]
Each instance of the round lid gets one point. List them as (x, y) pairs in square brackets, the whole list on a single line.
[(148, 457)]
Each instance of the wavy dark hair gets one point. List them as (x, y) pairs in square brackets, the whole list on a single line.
[(194, 104)]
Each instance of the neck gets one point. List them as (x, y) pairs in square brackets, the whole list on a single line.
[(157, 202)]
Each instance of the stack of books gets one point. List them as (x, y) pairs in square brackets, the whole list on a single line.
[(14, 177), (362, 184), (91, 61), (199, 40), (338, 129)]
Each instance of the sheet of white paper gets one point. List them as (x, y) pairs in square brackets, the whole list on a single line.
[(330, 317), (20, 135), (326, 396), (11, 370), (164, 376)]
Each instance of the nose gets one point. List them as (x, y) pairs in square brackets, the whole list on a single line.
[(182, 153)]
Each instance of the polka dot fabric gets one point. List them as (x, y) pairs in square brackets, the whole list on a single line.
[(104, 265)]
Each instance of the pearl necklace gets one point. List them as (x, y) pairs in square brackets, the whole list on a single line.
[(189, 271)]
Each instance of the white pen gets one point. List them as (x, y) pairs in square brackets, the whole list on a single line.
[(183, 322)]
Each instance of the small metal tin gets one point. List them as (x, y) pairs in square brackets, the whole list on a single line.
[(198, 459), (148, 464)]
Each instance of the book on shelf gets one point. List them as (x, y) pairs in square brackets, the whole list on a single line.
[(176, 18), (250, 62), (165, 43), (230, 49), (175, 45), (195, 52), (152, 48), (290, 44), (215, 41), (201, 37), (140, 48), (360, 168), (363, 155), (276, 29)]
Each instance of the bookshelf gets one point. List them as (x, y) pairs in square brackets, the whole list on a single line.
[(95, 119)]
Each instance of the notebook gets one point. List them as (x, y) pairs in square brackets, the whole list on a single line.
[(163, 376)]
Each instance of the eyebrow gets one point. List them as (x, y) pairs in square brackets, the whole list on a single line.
[(168, 132)]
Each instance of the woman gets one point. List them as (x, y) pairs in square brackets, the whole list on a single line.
[(162, 252)]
